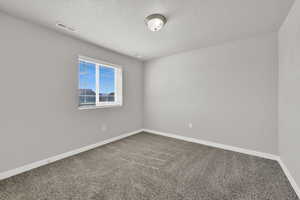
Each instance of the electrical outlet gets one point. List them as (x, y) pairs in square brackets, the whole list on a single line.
[(190, 125)]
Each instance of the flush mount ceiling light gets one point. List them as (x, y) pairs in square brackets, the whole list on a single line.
[(155, 22)]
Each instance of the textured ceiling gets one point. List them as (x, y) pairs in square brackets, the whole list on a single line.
[(119, 24)]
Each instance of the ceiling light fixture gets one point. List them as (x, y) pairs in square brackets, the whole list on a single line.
[(155, 22)]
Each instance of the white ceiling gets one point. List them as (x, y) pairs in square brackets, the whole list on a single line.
[(119, 24)]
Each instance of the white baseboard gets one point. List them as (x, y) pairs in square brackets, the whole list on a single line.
[(236, 149), (290, 177), (19, 170), (217, 145)]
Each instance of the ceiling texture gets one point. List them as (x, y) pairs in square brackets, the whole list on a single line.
[(119, 24)]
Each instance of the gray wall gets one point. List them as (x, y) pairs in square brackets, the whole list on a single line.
[(289, 96), (38, 84), (228, 93)]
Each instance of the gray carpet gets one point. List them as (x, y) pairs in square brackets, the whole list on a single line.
[(146, 166)]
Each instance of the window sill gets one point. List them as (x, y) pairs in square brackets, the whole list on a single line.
[(99, 106)]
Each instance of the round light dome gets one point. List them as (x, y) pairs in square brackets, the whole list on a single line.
[(155, 22)]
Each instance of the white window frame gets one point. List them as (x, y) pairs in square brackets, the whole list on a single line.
[(118, 84)]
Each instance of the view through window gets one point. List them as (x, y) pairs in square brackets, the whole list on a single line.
[(99, 84)]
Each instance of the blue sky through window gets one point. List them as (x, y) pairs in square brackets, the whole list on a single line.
[(87, 78), (88, 83), (107, 80)]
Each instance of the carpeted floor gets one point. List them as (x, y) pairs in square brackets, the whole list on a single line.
[(146, 166)]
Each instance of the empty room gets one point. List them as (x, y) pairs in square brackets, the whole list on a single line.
[(149, 100)]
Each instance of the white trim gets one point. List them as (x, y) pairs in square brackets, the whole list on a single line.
[(101, 62), (115, 84), (88, 107), (119, 86), (290, 177), (97, 86), (236, 149), (118, 98), (19, 170), (217, 145)]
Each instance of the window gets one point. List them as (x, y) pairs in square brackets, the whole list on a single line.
[(100, 84)]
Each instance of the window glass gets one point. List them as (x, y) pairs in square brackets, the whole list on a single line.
[(100, 84), (87, 83), (107, 84)]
